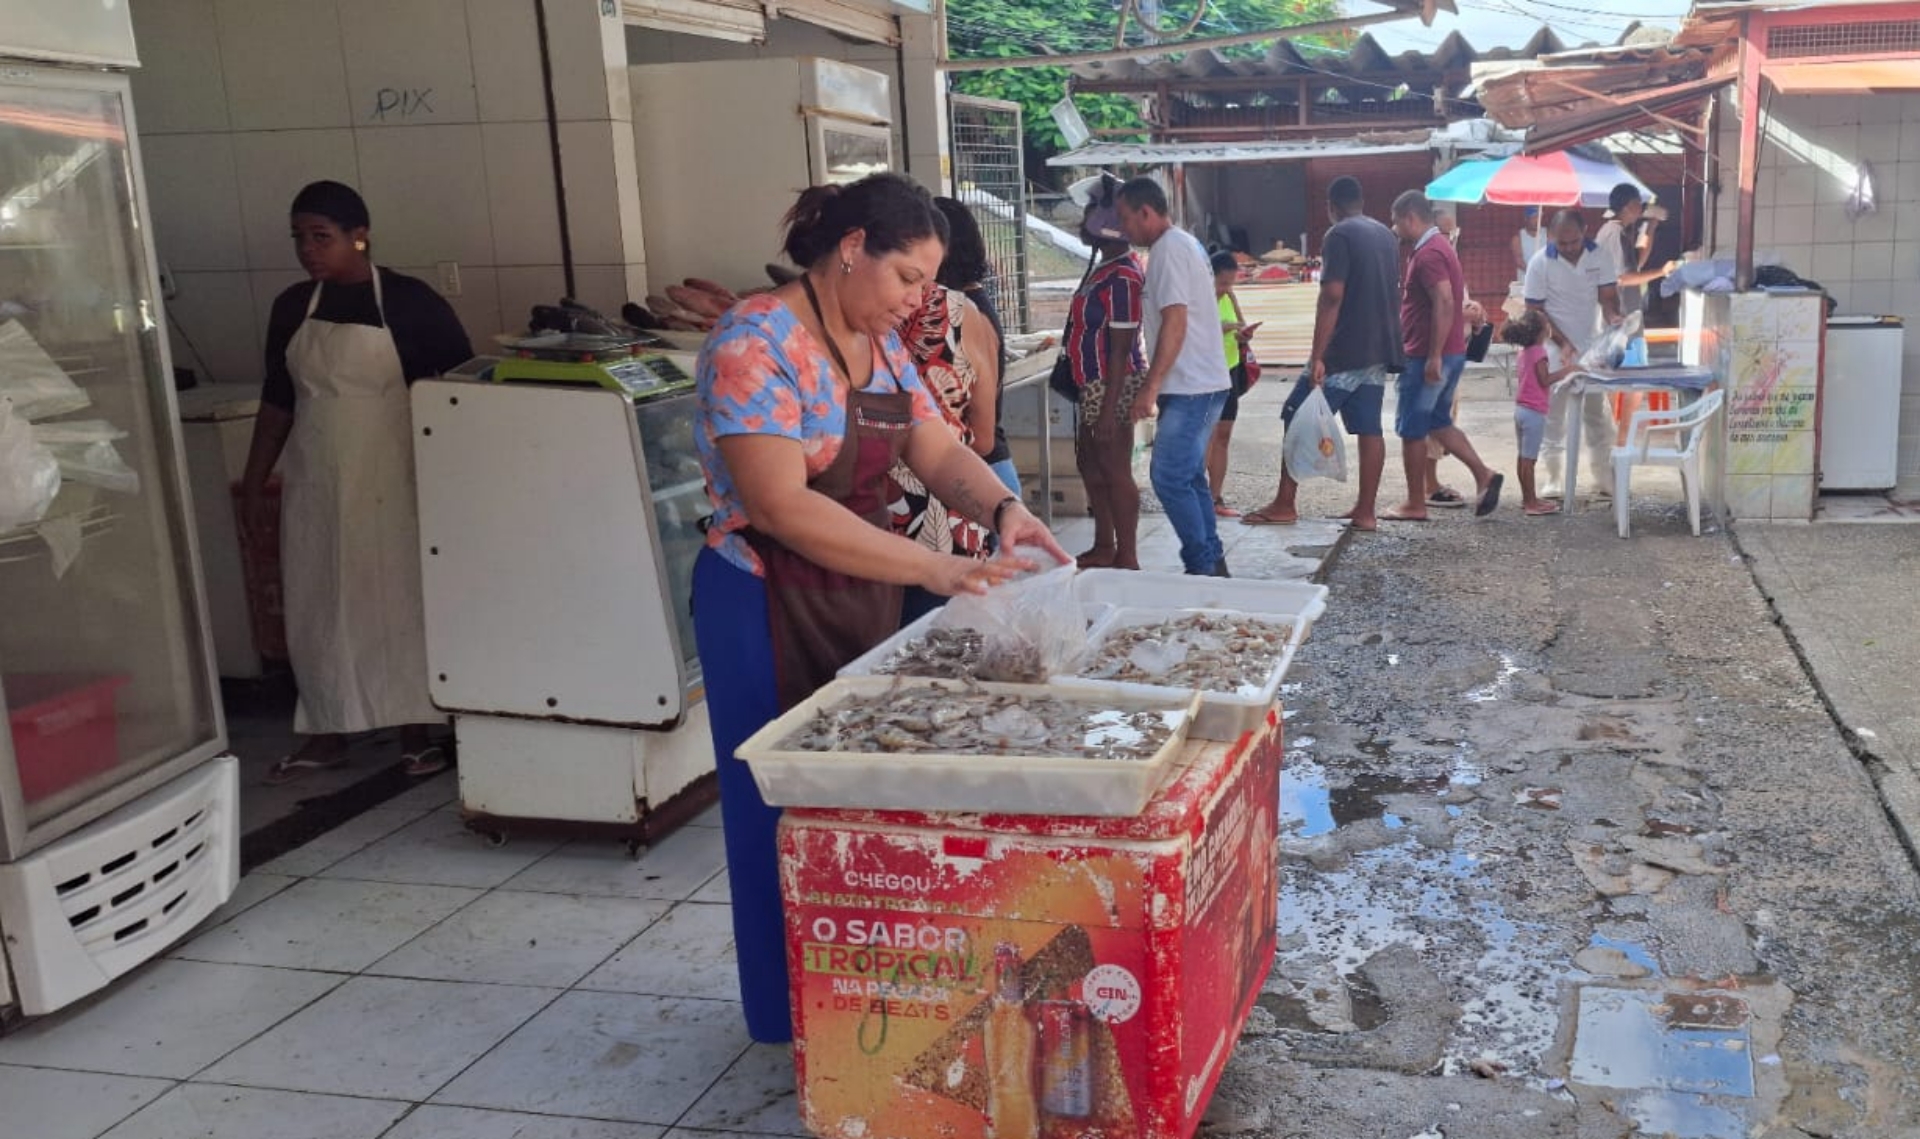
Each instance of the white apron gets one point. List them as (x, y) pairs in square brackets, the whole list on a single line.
[(350, 532)]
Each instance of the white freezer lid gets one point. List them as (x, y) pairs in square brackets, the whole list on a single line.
[(68, 31)]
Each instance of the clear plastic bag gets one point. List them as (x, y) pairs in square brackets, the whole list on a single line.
[(1609, 349), (86, 454), (1314, 447), (29, 474), (1031, 628), (95, 464), (38, 387)]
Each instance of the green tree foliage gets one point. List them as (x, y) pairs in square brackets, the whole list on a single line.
[(986, 29)]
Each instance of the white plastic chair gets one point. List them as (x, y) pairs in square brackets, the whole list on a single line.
[(1691, 424)]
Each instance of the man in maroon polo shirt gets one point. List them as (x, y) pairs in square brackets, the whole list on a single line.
[(1433, 325)]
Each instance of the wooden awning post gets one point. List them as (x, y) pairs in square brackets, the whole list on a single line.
[(1753, 57)]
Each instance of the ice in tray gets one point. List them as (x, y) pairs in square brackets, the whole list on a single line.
[(927, 744)]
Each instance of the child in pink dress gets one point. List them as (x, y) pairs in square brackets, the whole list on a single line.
[(1538, 369)]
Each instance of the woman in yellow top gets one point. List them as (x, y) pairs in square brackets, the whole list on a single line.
[(1238, 334)]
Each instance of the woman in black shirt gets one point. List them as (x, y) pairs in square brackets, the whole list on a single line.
[(341, 350)]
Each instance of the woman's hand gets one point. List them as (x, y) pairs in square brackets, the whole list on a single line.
[(950, 575), (1018, 528)]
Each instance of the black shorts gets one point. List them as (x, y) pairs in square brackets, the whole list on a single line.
[(1237, 380)]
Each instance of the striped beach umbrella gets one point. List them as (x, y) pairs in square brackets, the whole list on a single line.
[(1580, 177)]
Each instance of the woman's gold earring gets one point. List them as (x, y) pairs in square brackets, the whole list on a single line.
[(360, 246)]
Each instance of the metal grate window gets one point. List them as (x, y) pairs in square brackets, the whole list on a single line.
[(1879, 37), (989, 175)]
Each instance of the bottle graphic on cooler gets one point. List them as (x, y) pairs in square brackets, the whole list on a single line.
[(1066, 1060), (1012, 1112)]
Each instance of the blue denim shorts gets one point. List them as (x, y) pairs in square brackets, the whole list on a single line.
[(1423, 407), (1358, 407)]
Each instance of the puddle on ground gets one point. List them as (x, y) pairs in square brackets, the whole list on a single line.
[(1632, 950), (1627, 1038), (1683, 1116), (1310, 808)]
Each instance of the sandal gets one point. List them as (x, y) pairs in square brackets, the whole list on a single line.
[(292, 767), (430, 760), (1222, 510), (1446, 496)]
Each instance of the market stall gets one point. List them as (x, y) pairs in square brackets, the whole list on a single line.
[(1040, 908)]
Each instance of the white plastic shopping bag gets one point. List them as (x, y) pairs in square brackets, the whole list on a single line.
[(29, 474), (1314, 447)]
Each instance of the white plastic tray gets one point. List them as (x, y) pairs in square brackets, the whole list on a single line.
[(1222, 715), (921, 781), (1296, 601), (869, 663)]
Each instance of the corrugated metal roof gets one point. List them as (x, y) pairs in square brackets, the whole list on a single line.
[(1288, 59), (1226, 153)]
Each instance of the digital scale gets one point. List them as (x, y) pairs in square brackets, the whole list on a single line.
[(629, 367)]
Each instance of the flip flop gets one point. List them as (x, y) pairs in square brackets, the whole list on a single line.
[(431, 760), (1447, 497), (1490, 497), (1263, 518), (1396, 516), (291, 768), (1542, 512), (1222, 510)]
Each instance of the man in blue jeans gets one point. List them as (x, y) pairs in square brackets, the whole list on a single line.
[(1187, 380), (1433, 324)]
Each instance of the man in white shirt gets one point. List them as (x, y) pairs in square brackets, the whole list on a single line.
[(1573, 282), (1187, 380)]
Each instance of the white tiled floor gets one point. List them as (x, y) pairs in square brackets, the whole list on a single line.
[(399, 979)]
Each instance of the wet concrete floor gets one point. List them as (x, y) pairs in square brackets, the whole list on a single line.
[(1571, 847)]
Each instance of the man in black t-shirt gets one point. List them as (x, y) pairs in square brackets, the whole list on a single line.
[(1356, 344)]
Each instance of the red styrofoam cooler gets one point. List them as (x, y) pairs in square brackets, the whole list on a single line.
[(1025, 977), (64, 729)]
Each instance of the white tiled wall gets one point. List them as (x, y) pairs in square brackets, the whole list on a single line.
[(434, 109), (1871, 265)]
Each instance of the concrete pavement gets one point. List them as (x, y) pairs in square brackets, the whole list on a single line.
[(1572, 848), (1848, 596)]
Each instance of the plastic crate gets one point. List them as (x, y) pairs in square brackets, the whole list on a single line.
[(64, 729)]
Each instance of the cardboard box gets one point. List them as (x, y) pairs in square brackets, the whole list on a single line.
[(1027, 977), (1069, 495)]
